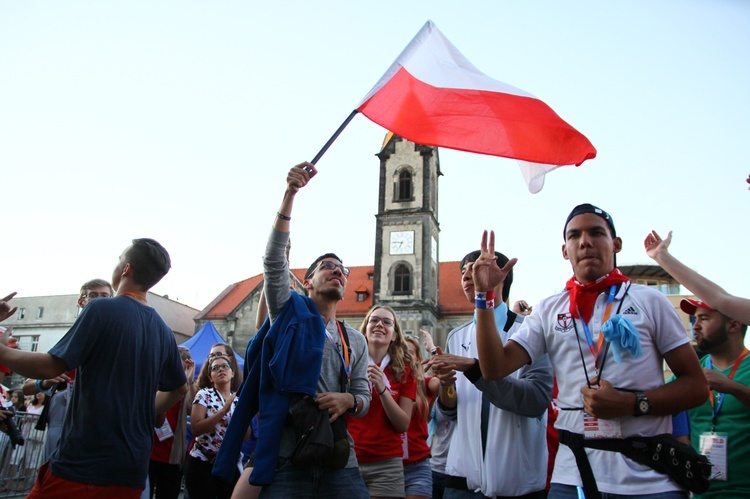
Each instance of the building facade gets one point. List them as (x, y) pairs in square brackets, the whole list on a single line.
[(407, 274)]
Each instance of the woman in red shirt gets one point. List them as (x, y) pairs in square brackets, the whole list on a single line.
[(379, 437), (417, 470)]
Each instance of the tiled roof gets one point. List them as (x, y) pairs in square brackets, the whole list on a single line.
[(452, 299), (230, 299)]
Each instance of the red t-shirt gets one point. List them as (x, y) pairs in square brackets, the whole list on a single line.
[(374, 437), (417, 433), (161, 450)]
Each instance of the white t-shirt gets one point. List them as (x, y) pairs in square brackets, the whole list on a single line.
[(550, 329)]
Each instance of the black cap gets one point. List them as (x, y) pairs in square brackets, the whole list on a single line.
[(590, 208)]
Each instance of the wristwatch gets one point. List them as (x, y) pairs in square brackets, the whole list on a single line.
[(642, 404), (354, 409)]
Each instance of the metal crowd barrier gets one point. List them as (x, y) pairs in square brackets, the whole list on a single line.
[(19, 466)]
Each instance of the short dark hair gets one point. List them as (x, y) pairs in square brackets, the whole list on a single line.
[(149, 260), (314, 265), (501, 261)]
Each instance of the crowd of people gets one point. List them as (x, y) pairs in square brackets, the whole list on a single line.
[(521, 401)]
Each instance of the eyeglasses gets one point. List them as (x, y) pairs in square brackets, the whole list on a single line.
[(93, 294), (329, 265), (219, 367), (218, 354), (384, 320)]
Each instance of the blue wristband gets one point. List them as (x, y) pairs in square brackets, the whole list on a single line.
[(42, 390)]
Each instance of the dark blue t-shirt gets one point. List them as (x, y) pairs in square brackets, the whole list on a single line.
[(124, 352)]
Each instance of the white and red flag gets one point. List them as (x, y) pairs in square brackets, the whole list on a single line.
[(433, 95)]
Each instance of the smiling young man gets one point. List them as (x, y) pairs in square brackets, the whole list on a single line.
[(604, 390), (721, 426), (305, 349)]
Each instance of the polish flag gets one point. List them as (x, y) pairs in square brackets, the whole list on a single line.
[(433, 95)]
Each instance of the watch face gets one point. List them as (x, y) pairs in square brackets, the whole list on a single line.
[(643, 406), (402, 242)]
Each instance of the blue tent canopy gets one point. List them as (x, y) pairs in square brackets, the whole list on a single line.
[(202, 341)]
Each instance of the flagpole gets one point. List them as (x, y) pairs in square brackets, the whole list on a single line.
[(334, 137)]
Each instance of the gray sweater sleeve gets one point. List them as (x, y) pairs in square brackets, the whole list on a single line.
[(276, 273), (528, 395)]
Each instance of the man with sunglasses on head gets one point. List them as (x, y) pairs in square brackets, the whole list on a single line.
[(304, 351)]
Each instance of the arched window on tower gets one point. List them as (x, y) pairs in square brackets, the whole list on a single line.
[(404, 186), (401, 280)]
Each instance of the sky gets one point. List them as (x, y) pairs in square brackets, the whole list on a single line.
[(178, 120)]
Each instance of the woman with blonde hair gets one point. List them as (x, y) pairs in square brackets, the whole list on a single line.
[(379, 436)]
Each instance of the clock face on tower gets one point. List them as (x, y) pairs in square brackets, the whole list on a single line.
[(402, 242)]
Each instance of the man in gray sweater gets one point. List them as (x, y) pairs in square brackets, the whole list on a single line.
[(325, 282)]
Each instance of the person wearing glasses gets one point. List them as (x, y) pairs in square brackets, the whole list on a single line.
[(303, 349), (93, 289), (212, 410), (224, 350), (378, 435)]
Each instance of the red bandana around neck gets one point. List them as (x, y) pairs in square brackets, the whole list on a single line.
[(583, 296)]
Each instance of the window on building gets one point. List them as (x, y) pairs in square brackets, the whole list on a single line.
[(401, 280), (370, 276), (404, 186), (28, 342), (361, 296), (21, 313), (40, 312)]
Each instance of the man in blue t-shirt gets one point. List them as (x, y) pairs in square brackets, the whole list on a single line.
[(124, 353)]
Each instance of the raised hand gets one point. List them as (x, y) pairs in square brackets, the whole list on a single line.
[(654, 244), (5, 310), (486, 274), (521, 307), (428, 343), (299, 176)]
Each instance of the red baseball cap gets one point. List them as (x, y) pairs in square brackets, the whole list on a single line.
[(688, 305)]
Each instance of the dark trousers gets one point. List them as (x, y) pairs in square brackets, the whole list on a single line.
[(202, 485), (164, 480)]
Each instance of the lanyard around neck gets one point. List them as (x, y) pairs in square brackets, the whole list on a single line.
[(595, 351), (345, 355), (716, 405)]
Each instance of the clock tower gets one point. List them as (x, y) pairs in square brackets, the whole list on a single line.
[(407, 233)]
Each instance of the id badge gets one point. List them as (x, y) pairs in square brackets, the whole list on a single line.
[(714, 446), (405, 446), (601, 428), (164, 431)]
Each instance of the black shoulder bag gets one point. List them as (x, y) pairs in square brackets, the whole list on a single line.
[(320, 442)]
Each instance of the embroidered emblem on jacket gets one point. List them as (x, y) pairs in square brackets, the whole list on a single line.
[(564, 323)]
